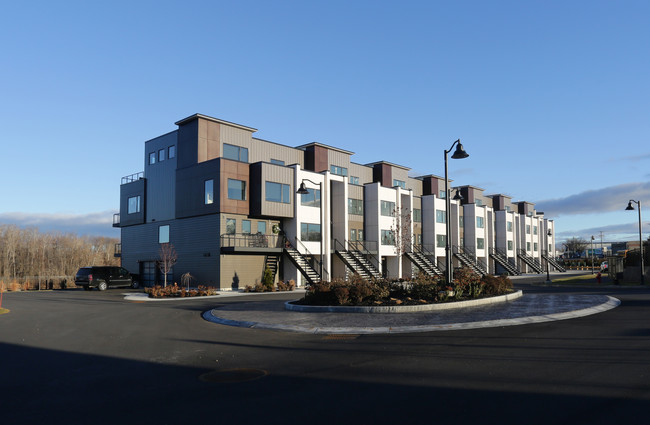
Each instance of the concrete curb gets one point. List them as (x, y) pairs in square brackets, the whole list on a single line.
[(608, 305), (402, 308), (141, 296)]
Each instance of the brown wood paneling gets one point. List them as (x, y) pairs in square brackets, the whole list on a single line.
[(238, 171)]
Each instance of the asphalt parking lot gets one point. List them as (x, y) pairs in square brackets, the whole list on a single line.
[(93, 357)]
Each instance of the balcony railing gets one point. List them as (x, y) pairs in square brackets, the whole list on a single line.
[(116, 220), (252, 240), (133, 177), (118, 250)]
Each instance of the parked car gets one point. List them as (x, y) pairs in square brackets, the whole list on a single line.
[(604, 266), (103, 277)]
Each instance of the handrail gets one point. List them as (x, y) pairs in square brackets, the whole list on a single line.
[(365, 251), (133, 177), (251, 240), (320, 263)]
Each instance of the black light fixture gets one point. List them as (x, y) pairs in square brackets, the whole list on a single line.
[(631, 208), (458, 196), (458, 154), (302, 190)]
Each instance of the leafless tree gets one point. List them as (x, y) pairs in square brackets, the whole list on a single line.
[(401, 230), (168, 258)]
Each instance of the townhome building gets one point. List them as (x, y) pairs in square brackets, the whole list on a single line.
[(233, 205)]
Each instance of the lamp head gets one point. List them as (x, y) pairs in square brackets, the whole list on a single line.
[(458, 196), (549, 233), (629, 207), (460, 152), (302, 190)]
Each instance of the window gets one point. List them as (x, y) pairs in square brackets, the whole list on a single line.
[(534, 230), (354, 180), (399, 183), (417, 215), (480, 222), (311, 199), (418, 238), (461, 221), (245, 226), (236, 189), (549, 248), (509, 245), (360, 234), (441, 217), (278, 192), (208, 190), (171, 152), (134, 204), (535, 246), (508, 208), (355, 206), (236, 153), (478, 202), (509, 226), (231, 226), (388, 208), (261, 227), (161, 155), (528, 229), (310, 232), (442, 194), (339, 171), (527, 246), (480, 243), (441, 241), (387, 237), (163, 234), (353, 234), (277, 161), (152, 158)]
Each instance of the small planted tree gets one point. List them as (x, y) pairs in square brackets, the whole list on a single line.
[(267, 280), (168, 258)]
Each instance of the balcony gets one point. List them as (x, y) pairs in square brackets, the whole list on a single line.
[(118, 250), (132, 178), (251, 243), (116, 220)]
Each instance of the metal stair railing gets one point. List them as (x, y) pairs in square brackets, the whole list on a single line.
[(467, 254), (426, 254), (535, 265), (501, 257), (552, 261), (326, 274)]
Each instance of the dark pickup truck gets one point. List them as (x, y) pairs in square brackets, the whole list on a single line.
[(103, 277)]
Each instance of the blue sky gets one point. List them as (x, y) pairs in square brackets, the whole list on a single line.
[(551, 99)]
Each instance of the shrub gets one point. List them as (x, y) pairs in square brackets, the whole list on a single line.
[(425, 287), (496, 285), (267, 280), (286, 286), (14, 286), (467, 281)]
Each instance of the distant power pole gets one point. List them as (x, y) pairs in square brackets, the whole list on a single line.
[(601, 243)]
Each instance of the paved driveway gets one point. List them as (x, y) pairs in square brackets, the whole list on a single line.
[(92, 357)]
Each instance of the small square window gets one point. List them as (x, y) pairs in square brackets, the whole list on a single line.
[(231, 226), (261, 227), (161, 155), (237, 189), (171, 152), (245, 226), (152, 158)]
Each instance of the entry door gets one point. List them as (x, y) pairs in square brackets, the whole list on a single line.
[(148, 273)]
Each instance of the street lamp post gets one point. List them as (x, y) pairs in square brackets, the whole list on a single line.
[(302, 190), (631, 208), (458, 154), (592, 254), (548, 272)]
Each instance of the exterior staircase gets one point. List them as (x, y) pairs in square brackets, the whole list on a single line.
[(424, 263), (302, 264), (533, 263), (467, 259), (552, 262), (357, 262), (271, 263), (501, 258)]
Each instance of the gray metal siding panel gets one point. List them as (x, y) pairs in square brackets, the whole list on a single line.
[(161, 180), (190, 193), (128, 190)]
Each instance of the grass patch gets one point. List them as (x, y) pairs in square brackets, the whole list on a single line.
[(585, 278), (4, 310)]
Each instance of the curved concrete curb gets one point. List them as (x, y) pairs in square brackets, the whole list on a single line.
[(141, 296), (401, 308), (608, 305)]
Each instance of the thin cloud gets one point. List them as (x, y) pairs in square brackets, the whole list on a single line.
[(607, 199), (613, 232), (92, 224), (635, 158)]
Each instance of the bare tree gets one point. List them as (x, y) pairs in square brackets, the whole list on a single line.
[(401, 230), (575, 245), (168, 258)]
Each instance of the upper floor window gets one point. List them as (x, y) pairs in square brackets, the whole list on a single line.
[(152, 158), (310, 232), (461, 221), (354, 180), (442, 194), (441, 241), (441, 217), (509, 226), (417, 215), (171, 152), (163, 234), (508, 208), (355, 206), (535, 246), (161, 155), (387, 237), (388, 208), (353, 235), (261, 227), (527, 246), (480, 243), (478, 202), (311, 199), (528, 230), (399, 183), (208, 191), (134, 204), (236, 189), (245, 226), (339, 171), (236, 153), (509, 245), (534, 230), (480, 223), (231, 226), (277, 161), (278, 192)]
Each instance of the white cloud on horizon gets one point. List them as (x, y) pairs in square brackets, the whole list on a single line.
[(91, 224)]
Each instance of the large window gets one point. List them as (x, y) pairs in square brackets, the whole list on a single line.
[(236, 153), (509, 226), (310, 232), (480, 243), (354, 180), (339, 171), (245, 226), (236, 189), (441, 217), (231, 226), (261, 227), (441, 241), (388, 208), (387, 237), (134, 204), (399, 183), (417, 215), (480, 222), (478, 202), (278, 192), (163, 234), (355, 206), (311, 199), (208, 190)]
